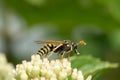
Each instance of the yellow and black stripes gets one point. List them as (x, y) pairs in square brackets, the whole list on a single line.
[(46, 49)]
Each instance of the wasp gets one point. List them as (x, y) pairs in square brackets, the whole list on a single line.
[(59, 47)]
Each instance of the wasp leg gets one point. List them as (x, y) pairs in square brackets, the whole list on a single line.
[(48, 55), (58, 55), (68, 56), (63, 55)]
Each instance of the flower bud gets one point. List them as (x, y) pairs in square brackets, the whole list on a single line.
[(74, 74), (80, 76), (35, 72), (89, 77), (23, 76), (62, 75)]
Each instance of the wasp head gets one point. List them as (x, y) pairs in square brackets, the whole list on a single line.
[(75, 45)]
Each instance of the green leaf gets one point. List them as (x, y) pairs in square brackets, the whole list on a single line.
[(90, 65)]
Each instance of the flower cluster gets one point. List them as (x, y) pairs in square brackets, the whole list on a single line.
[(5, 68), (43, 69)]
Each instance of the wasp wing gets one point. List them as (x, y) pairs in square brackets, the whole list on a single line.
[(49, 41)]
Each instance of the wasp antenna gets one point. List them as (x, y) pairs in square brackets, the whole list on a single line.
[(82, 43)]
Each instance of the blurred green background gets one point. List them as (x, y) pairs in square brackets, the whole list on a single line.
[(96, 21)]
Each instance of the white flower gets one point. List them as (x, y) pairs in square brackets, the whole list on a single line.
[(74, 74), (38, 69), (6, 68), (89, 77), (80, 76)]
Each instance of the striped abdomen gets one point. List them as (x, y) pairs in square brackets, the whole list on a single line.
[(46, 49)]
